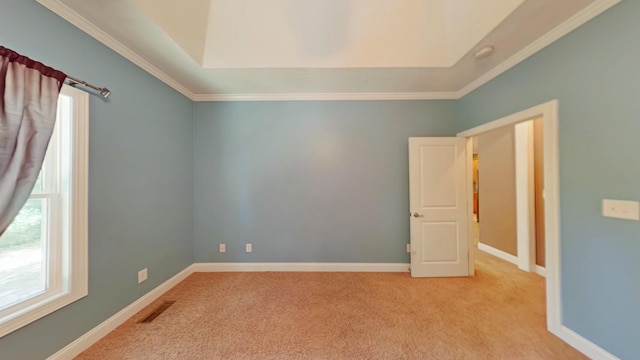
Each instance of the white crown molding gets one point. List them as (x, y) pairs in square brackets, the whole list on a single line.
[(556, 33), (83, 24), (327, 96), (559, 31)]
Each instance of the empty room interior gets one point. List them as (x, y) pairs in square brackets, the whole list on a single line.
[(335, 179)]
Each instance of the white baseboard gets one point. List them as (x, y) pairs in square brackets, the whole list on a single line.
[(85, 341), (583, 345), (540, 270), (301, 267), (498, 253)]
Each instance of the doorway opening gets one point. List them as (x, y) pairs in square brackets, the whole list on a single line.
[(549, 113), (510, 195)]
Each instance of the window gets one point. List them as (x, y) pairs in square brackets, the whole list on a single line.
[(43, 254)]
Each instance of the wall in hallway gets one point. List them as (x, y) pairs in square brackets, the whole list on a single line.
[(497, 189)]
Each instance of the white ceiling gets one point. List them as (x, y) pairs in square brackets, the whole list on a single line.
[(325, 49), (224, 34)]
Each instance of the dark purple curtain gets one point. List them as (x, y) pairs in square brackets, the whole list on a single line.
[(28, 100)]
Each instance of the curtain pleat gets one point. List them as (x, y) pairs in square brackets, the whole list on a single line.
[(28, 103)]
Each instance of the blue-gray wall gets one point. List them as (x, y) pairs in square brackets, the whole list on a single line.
[(307, 181), (595, 74), (140, 177), (327, 181)]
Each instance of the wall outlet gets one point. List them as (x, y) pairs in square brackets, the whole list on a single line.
[(248, 248), (142, 275), (223, 248), (409, 248)]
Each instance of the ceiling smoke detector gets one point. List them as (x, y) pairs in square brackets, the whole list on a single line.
[(484, 52)]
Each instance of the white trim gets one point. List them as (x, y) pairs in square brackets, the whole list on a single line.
[(549, 112), (301, 267), (498, 253), (583, 345), (92, 336), (471, 254), (559, 31), (520, 116), (68, 254), (79, 188), (552, 214), (525, 201), (540, 270), (327, 96), (83, 24), (588, 13)]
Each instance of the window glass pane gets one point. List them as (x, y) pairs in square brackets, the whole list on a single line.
[(38, 187), (23, 270)]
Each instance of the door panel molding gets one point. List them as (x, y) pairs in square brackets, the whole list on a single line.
[(438, 204)]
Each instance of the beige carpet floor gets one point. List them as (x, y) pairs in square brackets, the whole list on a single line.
[(498, 314)]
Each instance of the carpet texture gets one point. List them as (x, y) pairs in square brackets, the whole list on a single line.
[(497, 314)]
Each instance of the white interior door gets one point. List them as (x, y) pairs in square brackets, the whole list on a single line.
[(438, 205)]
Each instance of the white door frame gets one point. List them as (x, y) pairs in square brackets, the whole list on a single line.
[(548, 111), (525, 203), (525, 196)]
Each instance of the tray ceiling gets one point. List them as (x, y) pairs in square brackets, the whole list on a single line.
[(325, 49)]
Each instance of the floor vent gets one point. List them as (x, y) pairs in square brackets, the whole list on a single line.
[(155, 313)]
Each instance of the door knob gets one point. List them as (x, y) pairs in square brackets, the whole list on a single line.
[(415, 214)]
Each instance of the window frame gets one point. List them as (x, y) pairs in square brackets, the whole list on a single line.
[(67, 274)]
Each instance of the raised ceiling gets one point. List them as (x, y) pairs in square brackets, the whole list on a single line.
[(324, 49), (328, 33)]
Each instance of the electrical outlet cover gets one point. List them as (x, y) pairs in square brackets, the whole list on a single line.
[(142, 275)]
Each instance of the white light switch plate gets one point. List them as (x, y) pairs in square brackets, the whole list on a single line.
[(621, 209), (223, 248), (248, 248)]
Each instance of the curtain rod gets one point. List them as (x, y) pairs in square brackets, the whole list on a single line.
[(70, 80)]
